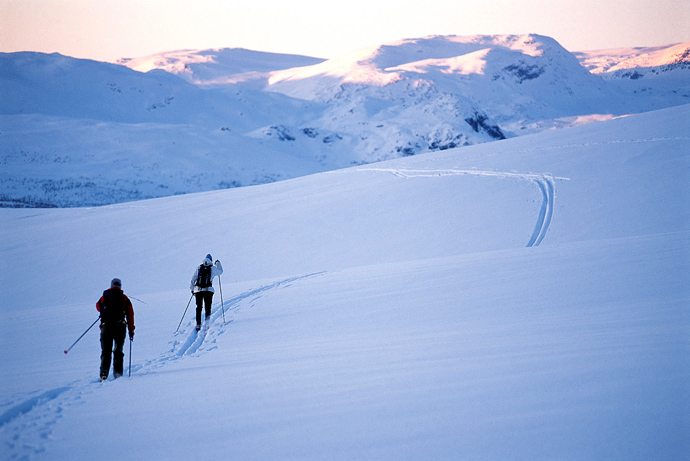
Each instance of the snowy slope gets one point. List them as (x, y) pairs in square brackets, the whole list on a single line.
[(660, 74), (523, 299), (659, 58), (219, 66), (438, 92), (56, 85), (83, 133), (457, 64), (79, 133)]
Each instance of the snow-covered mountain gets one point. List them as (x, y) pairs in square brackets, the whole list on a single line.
[(446, 81), (661, 75), (522, 299), (638, 61), (219, 66), (78, 132)]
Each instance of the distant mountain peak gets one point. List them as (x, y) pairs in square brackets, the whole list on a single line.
[(217, 65), (610, 61), (193, 120)]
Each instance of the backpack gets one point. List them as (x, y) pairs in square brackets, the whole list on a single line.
[(113, 307), (204, 278)]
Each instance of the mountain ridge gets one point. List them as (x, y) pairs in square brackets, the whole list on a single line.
[(233, 117)]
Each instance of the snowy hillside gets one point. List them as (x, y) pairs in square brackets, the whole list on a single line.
[(79, 133), (219, 66), (660, 74), (448, 79), (654, 59), (523, 299), (84, 133)]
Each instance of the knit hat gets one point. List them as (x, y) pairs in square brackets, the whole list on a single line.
[(116, 283), (209, 257)]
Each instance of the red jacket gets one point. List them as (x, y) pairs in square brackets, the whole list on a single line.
[(129, 312)]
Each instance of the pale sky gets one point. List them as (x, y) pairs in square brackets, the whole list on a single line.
[(106, 30)]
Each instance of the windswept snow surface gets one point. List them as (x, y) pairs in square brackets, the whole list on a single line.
[(523, 299)]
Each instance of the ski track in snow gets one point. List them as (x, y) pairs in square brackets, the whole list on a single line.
[(545, 182), (197, 341), (546, 185), (28, 424), (26, 427)]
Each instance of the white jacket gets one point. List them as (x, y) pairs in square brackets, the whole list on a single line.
[(216, 269)]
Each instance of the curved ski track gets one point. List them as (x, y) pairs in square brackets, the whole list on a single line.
[(545, 182), (197, 341), (26, 426)]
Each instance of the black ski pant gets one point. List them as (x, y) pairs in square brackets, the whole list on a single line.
[(203, 299), (112, 342)]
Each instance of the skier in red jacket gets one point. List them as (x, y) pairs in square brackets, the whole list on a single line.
[(117, 316)]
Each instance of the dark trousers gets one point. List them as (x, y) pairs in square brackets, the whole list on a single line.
[(112, 341), (203, 299)]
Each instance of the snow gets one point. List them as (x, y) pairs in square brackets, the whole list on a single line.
[(609, 61), (218, 66), (84, 133), (471, 63), (658, 73), (520, 299)]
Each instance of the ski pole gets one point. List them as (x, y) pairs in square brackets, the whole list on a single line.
[(82, 335), (185, 313), (130, 357), (220, 285)]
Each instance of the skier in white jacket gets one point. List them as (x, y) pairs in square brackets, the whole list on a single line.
[(202, 287)]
